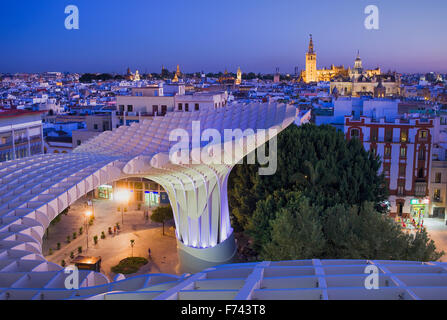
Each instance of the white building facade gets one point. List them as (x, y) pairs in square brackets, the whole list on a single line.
[(158, 100)]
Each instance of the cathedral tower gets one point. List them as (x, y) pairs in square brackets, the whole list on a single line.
[(311, 64), (177, 75), (357, 72), (358, 62), (238, 76)]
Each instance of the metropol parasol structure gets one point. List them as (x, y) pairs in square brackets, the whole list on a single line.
[(34, 190)]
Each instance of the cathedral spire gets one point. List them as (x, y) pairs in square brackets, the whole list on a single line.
[(311, 45)]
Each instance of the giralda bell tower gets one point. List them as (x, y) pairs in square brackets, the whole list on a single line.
[(311, 63)]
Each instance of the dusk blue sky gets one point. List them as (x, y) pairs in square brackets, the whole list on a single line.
[(211, 35)]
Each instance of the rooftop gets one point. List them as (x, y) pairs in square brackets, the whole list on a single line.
[(10, 113)]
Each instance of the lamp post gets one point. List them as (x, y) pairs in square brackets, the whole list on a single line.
[(88, 214), (93, 209), (90, 203), (122, 196)]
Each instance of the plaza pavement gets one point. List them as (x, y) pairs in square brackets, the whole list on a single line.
[(437, 230), (114, 248)]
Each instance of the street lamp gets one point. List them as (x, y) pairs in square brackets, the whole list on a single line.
[(88, 214), (93, 208), (122, 196)]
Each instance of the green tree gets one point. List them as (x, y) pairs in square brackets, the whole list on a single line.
[(324, 201), (243, 203), (316, 161), (259, 225), (360, 232), (87, 78), (162, 215), (249, 76), (132, 243), (296, 232)]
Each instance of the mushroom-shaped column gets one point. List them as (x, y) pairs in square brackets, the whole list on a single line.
[(198, 196), (194, 166)]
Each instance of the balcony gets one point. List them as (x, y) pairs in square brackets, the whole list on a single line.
[(420, 189), (439, 163), (387, 140)]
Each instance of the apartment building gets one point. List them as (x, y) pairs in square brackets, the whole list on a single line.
[(405, 147), (438, 178), (95, 124), (157, 100), (21, 134)]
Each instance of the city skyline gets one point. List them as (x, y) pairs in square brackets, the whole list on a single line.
[(211, 37), (252, 150)]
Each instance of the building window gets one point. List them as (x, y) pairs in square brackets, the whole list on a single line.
[(186, 107), (437, 195), (401, 171), (95, 126), (423, 134), (138, 185), (355, 133), (403, 152), (386, 169), (374, 134), (121, 108), (180, 107), (79, 142), (196, 107), (387, 151), (400, 188), (388, 134), (403, 135), (130, 108), (139, 196), (421, 154), (421, 173), (438, 177)]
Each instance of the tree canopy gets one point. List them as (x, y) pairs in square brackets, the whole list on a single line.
[(162, 215), (89, 77), (324, 201)]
